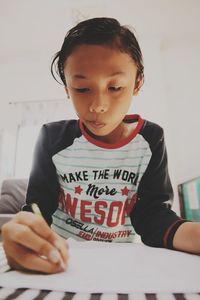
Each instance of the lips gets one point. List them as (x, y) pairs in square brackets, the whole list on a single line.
[(96, 124)]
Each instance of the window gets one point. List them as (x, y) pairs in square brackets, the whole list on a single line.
[(17, 143), (26, 139)]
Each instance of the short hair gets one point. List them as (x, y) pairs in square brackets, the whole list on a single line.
[(98, 31)]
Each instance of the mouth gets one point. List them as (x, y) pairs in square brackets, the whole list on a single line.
[(96, 124)]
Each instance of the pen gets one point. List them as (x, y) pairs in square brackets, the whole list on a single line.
[(36, 210)]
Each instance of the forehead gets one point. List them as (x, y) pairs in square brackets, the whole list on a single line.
[(87, 60)]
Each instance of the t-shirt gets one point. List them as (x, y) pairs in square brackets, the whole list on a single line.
[(91, 190)]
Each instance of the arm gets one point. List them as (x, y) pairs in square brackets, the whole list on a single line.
[(27, 238), (43, 186), (187, 238), (152, 216)]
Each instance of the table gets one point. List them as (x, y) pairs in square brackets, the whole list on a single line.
[(36, 294)]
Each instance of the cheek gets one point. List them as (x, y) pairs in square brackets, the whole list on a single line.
[(124, 102), (80, 105)]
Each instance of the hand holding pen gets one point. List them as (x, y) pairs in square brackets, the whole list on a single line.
[(29, 243), (55, 255)]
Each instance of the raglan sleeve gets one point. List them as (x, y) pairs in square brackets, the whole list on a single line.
[(152, 216), (43, 186)]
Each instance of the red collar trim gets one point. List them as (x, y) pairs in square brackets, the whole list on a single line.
[(121, 143)]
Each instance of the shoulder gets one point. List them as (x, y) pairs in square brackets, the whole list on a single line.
[(60, 134), (61, 127), (152, 132)]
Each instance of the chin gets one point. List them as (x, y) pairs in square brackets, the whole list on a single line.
[(98, 132)]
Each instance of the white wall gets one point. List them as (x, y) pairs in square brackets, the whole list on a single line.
[(181, 65)]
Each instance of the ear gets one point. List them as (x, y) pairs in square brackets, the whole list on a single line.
[(135, 92), (138, 84), (67, 92)]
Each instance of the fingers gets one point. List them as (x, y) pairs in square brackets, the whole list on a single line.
[(26, 259), (62, 246), (29, 239), (41, 228), (36, 223), (37, 246)]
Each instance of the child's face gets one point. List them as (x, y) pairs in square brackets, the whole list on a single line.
[(101, 83)]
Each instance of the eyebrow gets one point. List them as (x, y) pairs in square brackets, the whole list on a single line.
[(80, 76)]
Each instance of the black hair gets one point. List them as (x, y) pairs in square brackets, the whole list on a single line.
[(98, 31)]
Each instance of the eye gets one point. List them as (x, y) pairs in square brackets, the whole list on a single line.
[(115, 88), (82, 90)]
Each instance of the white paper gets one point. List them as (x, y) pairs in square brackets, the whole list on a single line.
[(96, 267)]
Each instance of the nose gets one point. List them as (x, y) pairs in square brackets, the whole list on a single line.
[(98, 104)]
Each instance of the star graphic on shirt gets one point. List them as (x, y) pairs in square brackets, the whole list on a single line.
[(125, 191), (78, 190)]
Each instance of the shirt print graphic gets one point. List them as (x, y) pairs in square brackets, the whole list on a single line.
[(99, 189)]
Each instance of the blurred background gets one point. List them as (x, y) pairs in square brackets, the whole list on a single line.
[(168, 32)]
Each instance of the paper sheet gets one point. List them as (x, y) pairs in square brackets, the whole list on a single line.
[(96, 267)]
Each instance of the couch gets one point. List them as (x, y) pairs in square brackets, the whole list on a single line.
[(13, 194)]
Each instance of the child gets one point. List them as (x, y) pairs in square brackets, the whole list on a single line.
[(103, 177)]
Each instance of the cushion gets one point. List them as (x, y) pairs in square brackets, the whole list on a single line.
[(13, 194)]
